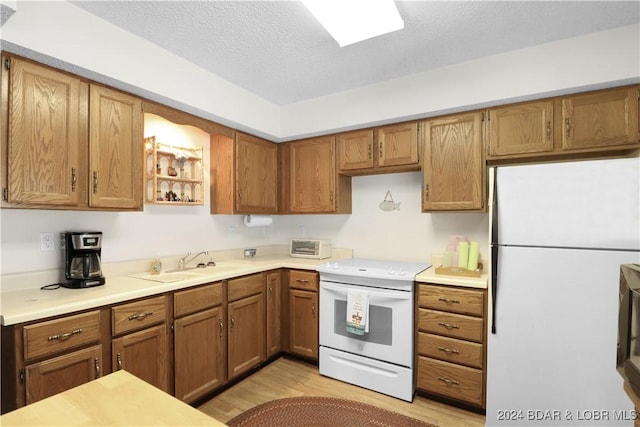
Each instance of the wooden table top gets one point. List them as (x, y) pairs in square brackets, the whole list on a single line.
[(117, 399)]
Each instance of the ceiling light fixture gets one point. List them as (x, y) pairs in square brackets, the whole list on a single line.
[(351, 21)]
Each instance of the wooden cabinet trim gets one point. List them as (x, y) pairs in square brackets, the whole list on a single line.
[(245, 286), (196, 299)]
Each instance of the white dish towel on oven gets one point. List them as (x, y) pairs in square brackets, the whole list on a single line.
[(357, 312)]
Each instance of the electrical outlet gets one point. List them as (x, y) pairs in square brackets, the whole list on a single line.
[(47, 242)]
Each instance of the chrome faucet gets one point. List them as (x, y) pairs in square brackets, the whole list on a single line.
[(182, 262)]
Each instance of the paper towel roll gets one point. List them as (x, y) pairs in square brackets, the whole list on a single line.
[(258, 220), (463, 254), (474, 251)]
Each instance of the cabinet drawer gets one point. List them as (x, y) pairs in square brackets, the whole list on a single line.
[(193, 300), (451, 325), (454, 381), (55, 336), (307, 280), (455, 300), (138, 315), (245, 286), (451, 349)]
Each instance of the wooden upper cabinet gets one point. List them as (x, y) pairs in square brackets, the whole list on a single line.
[(398, 144), (44, 135), (314, 185), (355, 150), (385, 149), (116, 149), (70, 143), (453, 165), (600, 119), (244, 175), (256, 175), (521, 128)]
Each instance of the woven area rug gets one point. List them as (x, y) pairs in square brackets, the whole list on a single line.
[(321, 411)]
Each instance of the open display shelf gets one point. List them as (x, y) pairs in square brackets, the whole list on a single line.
[(174, 175)]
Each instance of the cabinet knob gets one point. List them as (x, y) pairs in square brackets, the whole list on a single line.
[(221, 327), (119, 361), (140, 316), (448, 325), (96, 364), (313, 309), (233, 323), (74, 179), (448, 381), (567, 127)]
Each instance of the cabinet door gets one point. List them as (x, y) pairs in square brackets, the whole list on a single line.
[(143, 354), (521, 129), (43, 151), (313, 175), (246, 338), (199, 354), (355, 150), (256, 175), (398, 145), (116, 149), (62, 373), (600, 119), (303, 319), (453, 167), (274, 315)]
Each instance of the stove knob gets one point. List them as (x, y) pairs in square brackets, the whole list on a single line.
[(335, 266), (390, 271), (402, 272)]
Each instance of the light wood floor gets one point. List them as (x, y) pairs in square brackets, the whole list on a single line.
[(289, 378)]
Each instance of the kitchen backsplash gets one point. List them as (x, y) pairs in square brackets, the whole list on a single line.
[(159, 231)]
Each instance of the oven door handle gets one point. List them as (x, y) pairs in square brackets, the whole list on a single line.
[(372, 292)]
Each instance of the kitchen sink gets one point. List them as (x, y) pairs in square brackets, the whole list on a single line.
[(176, 275)]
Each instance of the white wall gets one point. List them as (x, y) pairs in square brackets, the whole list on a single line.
[(405, 234)]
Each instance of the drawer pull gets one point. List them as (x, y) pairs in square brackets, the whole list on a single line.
[(448, 325), (449, 300), (65, 336), (448, 381), (302, 280), (448, 350), (140, 316)]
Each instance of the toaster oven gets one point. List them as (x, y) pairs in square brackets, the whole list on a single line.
[(310, 248)]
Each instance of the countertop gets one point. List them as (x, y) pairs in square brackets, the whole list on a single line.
[(429, 276), (27, 302), (117, 399), (33, 303)]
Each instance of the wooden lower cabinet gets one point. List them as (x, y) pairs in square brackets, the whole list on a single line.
[(303, 313), (140, 344), (303, 332), (143, 354), (451, 341), (200, 338), (199, 354), (61, 373), (246, 347)]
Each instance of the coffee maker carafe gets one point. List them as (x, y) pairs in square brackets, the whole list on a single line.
[(82, 259)]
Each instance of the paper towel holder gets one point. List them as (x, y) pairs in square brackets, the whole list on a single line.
[(258, 220)]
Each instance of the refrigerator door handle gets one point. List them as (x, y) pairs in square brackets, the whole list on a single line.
[(494, 247)]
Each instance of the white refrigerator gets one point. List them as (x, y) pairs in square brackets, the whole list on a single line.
[(559, 234)]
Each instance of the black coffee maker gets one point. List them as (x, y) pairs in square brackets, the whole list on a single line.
[(82, 259)]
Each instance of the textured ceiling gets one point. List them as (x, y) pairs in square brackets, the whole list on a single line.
[(278, 51)]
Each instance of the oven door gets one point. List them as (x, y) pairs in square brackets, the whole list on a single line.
[(390, 336)]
